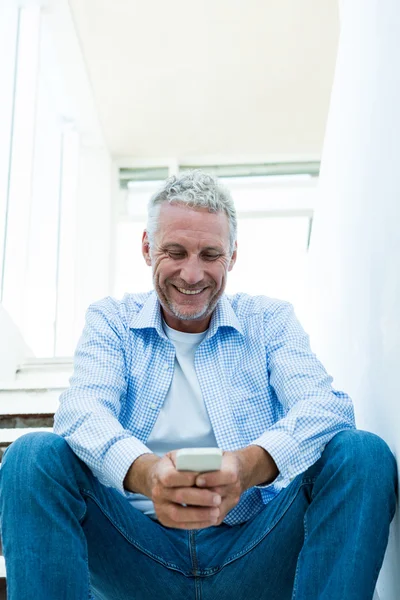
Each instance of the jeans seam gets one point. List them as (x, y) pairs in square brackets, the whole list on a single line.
[(155, 557), (84, 512), (197, 588), (297, 565), (90, 595), (260, 539), (192, 551), (194, 562)]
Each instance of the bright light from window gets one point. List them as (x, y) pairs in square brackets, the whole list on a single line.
[(132, 274), (21, 164), (65, 314), (273, 232), (8, 45), (271, 257)]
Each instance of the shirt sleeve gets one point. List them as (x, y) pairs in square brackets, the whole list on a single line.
[(87, 417), (314, 410)]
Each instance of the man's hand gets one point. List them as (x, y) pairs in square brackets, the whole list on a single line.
[(239, 471), (183, 502), (168, 488), (228, 483)]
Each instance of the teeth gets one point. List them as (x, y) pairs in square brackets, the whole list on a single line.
[(189, 292)]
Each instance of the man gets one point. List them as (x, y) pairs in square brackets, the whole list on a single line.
[(302, 504)]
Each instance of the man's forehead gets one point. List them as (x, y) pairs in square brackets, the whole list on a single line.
[(178, 218)]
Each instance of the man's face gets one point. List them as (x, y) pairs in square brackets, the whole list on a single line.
[(190, 262)]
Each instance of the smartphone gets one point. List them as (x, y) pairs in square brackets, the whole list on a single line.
[(199, 459)]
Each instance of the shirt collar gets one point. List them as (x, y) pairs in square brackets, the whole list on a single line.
[(150, 317), (224, 316)]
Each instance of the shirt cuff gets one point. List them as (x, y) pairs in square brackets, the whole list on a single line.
[(282, 447), (119, 458)]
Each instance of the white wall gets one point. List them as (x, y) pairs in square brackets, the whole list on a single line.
[(94, 229), (355, 247)]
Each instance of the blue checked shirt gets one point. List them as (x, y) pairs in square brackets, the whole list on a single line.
[(260, 381)]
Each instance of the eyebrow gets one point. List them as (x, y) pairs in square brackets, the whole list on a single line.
[(173, 245), (206, 249), (213, 248)]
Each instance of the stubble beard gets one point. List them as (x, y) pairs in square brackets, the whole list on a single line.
[(166, 302)]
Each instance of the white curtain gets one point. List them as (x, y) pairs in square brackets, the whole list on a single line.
[(354, 266)]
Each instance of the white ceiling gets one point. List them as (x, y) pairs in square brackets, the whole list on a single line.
[(217, 78)]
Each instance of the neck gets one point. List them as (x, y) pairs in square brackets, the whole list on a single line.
[(186, 326)]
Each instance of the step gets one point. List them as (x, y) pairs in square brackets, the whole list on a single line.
[(8, 436), (38, 381), (41, 380), (26, 420), (25, 402), (42, 373), (37, 364), (2, 567)]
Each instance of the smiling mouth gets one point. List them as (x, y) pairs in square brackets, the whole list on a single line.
[(189, 292)]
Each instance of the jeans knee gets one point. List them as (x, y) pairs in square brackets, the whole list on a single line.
[(31, 448), (369, 455)]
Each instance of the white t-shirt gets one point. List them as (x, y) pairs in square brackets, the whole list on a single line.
[(183, 421)]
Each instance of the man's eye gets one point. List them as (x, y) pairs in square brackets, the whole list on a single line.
[(210, 256), (176, 255)]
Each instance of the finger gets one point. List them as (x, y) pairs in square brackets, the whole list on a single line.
[(221, 490), (225, 507), (192, 496), (169, 477), (216, 478)]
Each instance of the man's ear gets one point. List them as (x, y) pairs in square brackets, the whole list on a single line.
[(146, 248), (233, 258)]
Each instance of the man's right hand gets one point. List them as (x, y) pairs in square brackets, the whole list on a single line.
[(158, 479)]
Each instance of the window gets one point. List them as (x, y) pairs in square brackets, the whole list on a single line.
[(21, 127), (38, 178), (9, 20), (131, 274), (274, 224), (271, 257)]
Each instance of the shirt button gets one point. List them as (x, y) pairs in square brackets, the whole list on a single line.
[(166, 366), (153, 406)]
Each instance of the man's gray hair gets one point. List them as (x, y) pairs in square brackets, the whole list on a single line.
[(197, 190)]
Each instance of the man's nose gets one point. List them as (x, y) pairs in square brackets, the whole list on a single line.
[(192, 270)]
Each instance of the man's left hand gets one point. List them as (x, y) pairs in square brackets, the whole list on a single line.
[(228, 482), (239, 471)]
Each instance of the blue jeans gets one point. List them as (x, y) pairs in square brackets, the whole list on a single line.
[(67, 537)]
